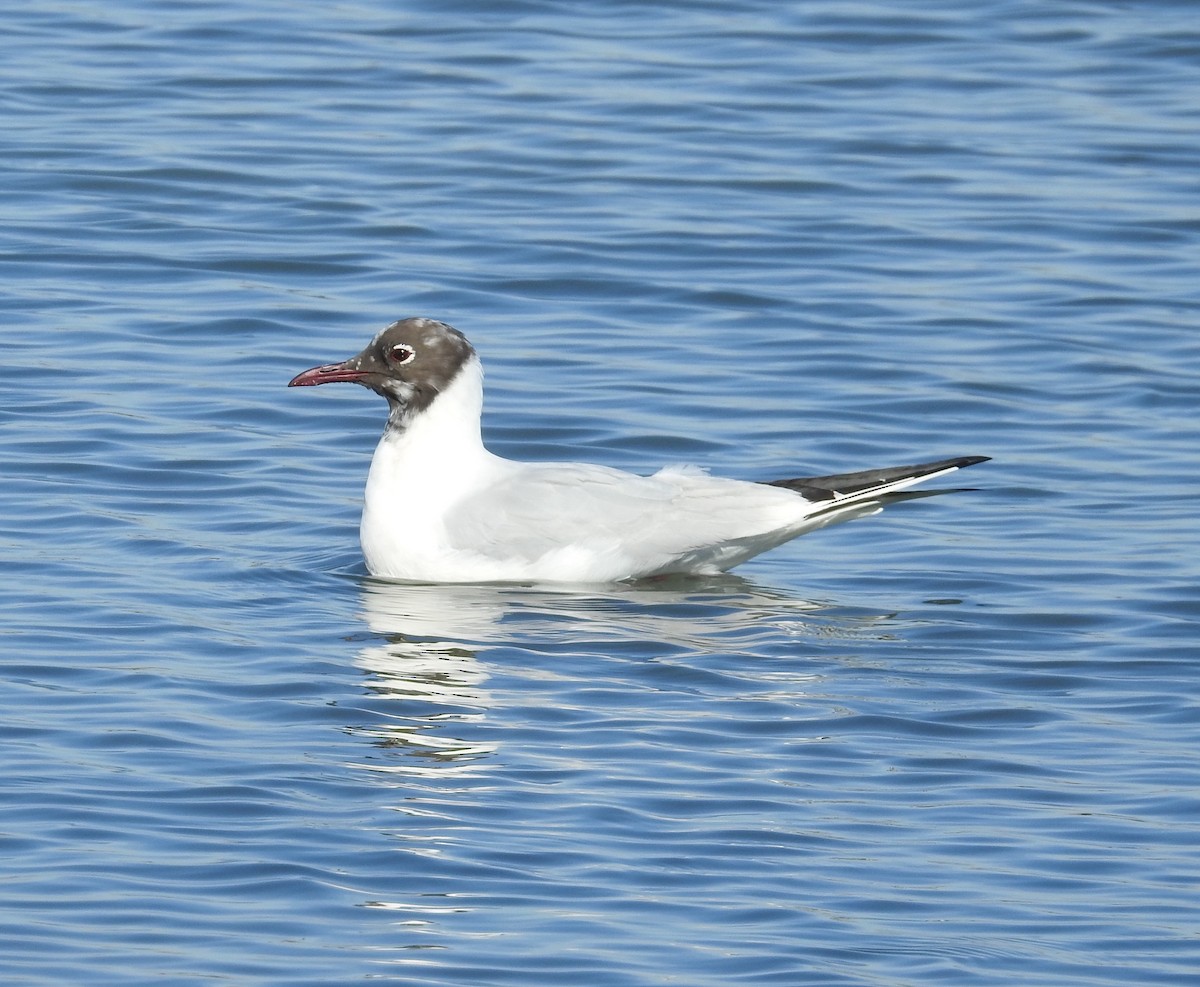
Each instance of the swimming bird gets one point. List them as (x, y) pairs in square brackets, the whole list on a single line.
[(439, 507)]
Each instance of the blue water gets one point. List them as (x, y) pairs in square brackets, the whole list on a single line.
[(954, 744)]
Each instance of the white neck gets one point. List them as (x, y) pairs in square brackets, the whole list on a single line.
[(446, 435), (420, 469)]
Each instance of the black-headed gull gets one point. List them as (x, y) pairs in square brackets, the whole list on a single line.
[(440, 508)]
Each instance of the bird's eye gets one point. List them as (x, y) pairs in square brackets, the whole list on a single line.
[(400, 354)]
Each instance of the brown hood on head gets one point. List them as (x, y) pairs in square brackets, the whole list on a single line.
[(409, 363)]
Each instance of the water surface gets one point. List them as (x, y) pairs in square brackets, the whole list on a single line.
[(954, 744)]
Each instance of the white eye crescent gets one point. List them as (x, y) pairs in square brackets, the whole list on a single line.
[(400, 354)]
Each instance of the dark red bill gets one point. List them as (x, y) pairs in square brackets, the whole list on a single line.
[(330, 373)]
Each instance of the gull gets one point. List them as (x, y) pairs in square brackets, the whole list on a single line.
[(440, 508)]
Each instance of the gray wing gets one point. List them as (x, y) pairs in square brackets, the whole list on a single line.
[(542, 507)]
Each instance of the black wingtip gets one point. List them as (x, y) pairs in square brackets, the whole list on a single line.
[(842, 485)]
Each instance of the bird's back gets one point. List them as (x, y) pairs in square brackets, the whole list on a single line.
[(593, 523)]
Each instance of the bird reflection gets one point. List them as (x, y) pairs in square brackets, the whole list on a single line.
[(430, 687), (422, 656)]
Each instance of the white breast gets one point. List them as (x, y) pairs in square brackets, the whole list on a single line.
[(418, 474)]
